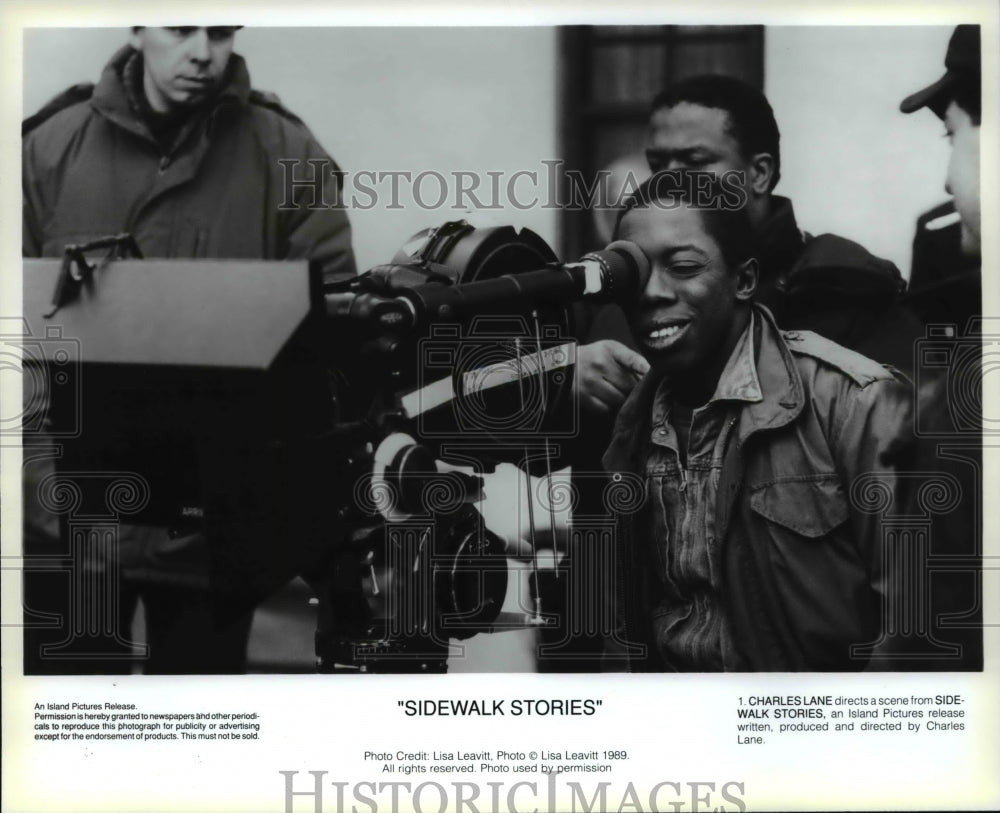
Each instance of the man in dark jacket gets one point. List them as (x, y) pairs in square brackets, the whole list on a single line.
[(173, 146), (756, 547), (952, 294), (822, 283), (944, 283), (939, 621)]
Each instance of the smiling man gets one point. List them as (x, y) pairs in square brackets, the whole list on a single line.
[(824, 283), (748, 552)]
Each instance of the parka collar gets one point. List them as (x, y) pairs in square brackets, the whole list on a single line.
[(779, 242), (780, 384), (111, 97)]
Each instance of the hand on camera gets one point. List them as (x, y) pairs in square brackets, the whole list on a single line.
[(505, 508)]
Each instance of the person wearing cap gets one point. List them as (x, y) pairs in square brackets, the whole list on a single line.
[(944, 625), (175, 147), (748, 551), (955, 294)]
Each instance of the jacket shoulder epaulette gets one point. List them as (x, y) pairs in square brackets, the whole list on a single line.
[(270, 101), (69, 97), (860, 369)]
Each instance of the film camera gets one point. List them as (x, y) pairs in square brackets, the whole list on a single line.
[(337, 431)]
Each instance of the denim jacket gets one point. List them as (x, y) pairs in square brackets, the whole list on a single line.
[(799, 510)]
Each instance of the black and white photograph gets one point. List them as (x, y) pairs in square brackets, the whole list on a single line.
[(533, 373)]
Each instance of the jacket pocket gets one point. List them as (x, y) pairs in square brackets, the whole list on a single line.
[(812, 588), (810, 506)]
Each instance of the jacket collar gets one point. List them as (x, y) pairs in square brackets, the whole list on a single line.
[(779, 387), (739, 380), (780, 382), (111, 95), (779, 242)]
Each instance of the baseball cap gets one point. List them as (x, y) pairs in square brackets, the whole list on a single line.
[(962, 66)]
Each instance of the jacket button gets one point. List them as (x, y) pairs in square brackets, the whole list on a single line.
[(793, 336)]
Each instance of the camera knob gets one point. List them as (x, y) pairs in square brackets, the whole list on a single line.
[(405, 467)]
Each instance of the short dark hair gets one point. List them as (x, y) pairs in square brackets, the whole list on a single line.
[(728, 225), (751, 119)]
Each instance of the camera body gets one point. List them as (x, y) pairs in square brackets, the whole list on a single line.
[(264, 431), (500, 380), (418, 566)]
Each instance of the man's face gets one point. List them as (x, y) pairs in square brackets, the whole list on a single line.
[(689, 136), (963, 174), (686, 318), (183, 65)]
